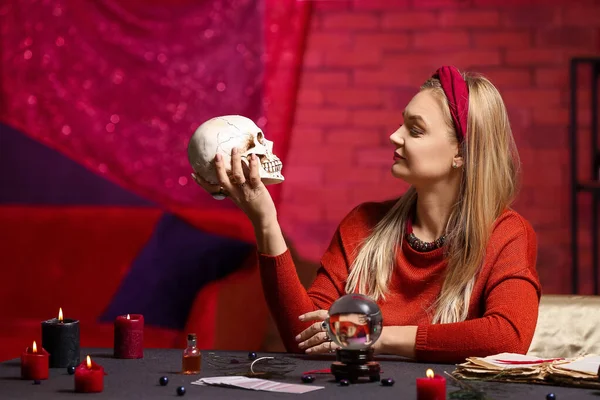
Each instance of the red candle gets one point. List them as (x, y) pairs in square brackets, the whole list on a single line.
[(431, 388), (34, 363), (89, 377), (129, 336)]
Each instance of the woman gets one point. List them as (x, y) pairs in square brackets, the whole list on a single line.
[(451, 266)]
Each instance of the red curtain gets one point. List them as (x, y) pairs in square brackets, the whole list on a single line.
[(120, 86)]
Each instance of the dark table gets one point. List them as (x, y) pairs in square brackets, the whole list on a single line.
[(138, 379)]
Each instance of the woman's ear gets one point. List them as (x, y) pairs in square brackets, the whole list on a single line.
[(457, 161)]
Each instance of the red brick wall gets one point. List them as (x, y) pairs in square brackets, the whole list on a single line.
[(364, 61)]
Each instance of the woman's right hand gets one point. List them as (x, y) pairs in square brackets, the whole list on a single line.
[(249, 194)]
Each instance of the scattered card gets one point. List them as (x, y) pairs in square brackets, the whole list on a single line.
[(589, 364), (243, 382)]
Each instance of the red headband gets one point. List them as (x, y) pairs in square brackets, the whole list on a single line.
[(457, 92)]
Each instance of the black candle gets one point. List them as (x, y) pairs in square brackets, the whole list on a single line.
[(60, 338)]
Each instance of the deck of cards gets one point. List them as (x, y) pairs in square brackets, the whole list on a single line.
[(243, 382)]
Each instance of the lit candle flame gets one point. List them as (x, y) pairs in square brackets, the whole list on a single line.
[(89, 362), (429, 373), (128, 317), (34, 347), (60, 314)]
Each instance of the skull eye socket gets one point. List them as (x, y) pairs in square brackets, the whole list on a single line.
[(251, 144)]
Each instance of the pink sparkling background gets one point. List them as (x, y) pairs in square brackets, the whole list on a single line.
[(120, 86)]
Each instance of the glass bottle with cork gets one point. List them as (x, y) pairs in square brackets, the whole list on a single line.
[(192, 359)]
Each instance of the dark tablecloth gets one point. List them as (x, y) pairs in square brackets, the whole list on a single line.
[(138, 379)]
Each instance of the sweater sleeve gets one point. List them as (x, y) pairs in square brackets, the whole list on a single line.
[(511, 301), (287, 298)]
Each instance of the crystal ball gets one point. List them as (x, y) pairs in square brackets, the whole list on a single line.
[(354, 322)]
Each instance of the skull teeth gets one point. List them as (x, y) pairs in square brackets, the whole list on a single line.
[(272, 166)]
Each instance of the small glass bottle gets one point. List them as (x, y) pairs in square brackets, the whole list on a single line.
[(191, 357)]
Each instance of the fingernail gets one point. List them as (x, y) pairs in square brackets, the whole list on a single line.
[(253, 156), (309, 350), (234, 150), (298, 337), (301, 318), (301, 345), (218, 157)]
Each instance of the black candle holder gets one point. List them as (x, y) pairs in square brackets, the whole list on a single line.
[(61, 341), (354, 365)]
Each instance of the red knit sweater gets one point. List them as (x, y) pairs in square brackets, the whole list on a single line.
[(504, 303)]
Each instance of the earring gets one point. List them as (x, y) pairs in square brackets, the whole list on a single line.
[(454, 164)]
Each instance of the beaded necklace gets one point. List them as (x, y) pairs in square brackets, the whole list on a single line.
[(419, 245)]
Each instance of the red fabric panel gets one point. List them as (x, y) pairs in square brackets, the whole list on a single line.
[(120, 86), (286, 26), (75, 258), (67, 257), (72, 258)]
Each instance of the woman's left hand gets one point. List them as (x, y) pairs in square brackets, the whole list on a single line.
[(314, 339)]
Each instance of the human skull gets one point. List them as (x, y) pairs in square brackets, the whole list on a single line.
[(220, 135)]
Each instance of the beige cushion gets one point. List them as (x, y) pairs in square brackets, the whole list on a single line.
[(567, 326)]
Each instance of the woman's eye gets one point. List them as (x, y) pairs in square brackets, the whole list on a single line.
[(415, 131)]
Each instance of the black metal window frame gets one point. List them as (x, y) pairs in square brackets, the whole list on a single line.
[(591, 186)]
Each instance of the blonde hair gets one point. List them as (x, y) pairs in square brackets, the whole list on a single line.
[(488, 186)]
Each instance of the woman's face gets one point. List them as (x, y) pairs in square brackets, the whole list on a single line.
[(425, 144)]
